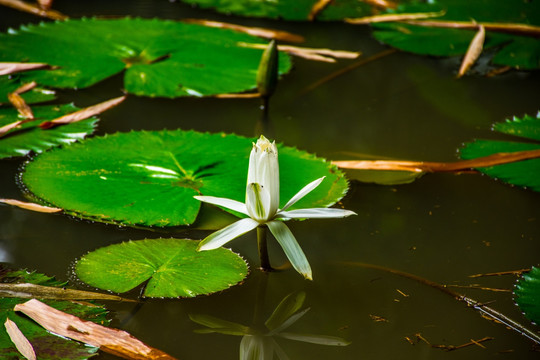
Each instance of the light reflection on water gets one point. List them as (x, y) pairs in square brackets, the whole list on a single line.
[(441, 227)]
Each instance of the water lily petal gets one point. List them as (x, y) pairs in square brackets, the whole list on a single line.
[(228, 203), (228, 233), (314, 213), (264, 170), (305, 190), (258, 202), (290, 246)]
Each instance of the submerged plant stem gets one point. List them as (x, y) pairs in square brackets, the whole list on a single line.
[(485, 310), (263, 249)]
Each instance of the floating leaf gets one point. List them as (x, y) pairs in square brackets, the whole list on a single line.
[(150, 178), (509, 25), (160, 57), (292, 9), (523, 173), (29, 137), (9, 85), (452, 33), (172, 267), (527, 294), (114, 341), (46, 345)]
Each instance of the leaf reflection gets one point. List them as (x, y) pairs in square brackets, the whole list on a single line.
[(258, 340)]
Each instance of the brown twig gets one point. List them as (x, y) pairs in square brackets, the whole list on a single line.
[(510, 272), (347, 69), (484, 310)]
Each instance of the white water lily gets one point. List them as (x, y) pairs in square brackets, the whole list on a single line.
[(262, 207)]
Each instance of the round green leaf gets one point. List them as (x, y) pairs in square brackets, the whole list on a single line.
[(527, 294), (160, 58), (30, 137), (522, 173), (150, 178), (172, 267)]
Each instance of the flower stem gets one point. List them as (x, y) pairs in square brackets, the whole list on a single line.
[(263, 249)]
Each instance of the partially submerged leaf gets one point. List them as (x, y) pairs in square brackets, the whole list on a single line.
[(511, 30), (30, 206), (21, 342), (159, 57), (523, 173), (23, 137), (113, 341), (473, 52), (297, 10), (169, 267), (527, 294), (110, 179), (46, 345)]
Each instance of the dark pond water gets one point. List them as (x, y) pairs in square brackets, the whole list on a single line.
[(442, 227)]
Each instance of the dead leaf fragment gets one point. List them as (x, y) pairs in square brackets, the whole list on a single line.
[(316, 9), (110, 340), (254, 31), (45, 4), (33, 9), (21, 342), (30, 206), (83, 113), (25, 87), (317, 54), (7, 68), (473, 52), (7, 128), (393, 17), (22, 107)]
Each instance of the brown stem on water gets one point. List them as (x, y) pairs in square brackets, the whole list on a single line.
[(426, 166), (482, 308)]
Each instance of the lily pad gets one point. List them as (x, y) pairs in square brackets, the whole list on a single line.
[(36, 95), (160, 57), (150, 178), (171, 268), (46, 345), (522, 173), (515, 49), (296, 10), (527, 294), (30, 137)]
